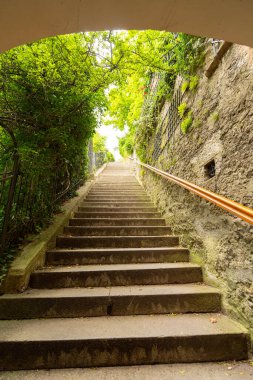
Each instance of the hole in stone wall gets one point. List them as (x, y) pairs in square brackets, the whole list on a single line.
[(209, 169)]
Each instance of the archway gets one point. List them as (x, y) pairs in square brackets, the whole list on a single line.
[(28, 20)]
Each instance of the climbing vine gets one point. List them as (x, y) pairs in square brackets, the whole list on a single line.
[(135, 101)]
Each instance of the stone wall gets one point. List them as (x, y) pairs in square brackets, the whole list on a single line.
[(222, 131)]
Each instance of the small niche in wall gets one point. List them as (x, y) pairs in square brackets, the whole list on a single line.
[(209, 169)]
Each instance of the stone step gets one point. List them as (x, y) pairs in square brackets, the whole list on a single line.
[(115, 180), (120, 340), (116, 204), (116, 256), (113, 199), (116, 222), (114, 194), (116, 241), (117, 230), (108, 215), (118, 300), (125, 189), (117, 192), (116, 209), (116, 275)]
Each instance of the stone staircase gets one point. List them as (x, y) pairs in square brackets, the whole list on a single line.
[(117, 290)]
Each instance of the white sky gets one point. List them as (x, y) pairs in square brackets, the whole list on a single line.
[(112, 136)]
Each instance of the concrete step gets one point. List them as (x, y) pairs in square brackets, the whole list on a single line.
[(116, 275), (117, 230), (116, 199), (116, 209), (116, 222), (116, 179), (116, 241), (117, 189), (113, 196), (116, 256), (127, 215), (116, 204), (174, 371), (118, 192), (118, 300), (120, 340)]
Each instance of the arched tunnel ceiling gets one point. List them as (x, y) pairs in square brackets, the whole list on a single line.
[(23, 21)]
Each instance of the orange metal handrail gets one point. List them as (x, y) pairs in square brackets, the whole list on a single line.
[(235, 208)]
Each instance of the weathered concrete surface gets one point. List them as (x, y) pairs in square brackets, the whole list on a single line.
[(121, 340), (65, 241), (117, 256), (117, 222), (116, 275), (203, 371), (117, 230), (97, 315), (118, 300), (222, 130)]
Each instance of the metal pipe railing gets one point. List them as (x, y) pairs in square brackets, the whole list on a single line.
[(243, 212)]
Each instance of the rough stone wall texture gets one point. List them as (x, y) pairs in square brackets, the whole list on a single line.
[(222, 130)]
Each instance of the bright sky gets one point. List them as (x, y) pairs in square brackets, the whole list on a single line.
[(112, 136)]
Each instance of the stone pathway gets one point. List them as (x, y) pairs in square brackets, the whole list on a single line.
[(117, 290)]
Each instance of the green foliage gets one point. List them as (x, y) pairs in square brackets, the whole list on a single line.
[(126, 145), (182, 108), (185, 86), (215, 116), (51, 92), (99, 143), (186, 123), (149, 57), (109, 157), (99, 147), (194, 81)]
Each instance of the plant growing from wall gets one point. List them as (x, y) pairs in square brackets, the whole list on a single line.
[(186, 123), (215, 116), (182, 108), (185, 86), (194, 81)]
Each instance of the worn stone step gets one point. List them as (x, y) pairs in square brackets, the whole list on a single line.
[(116, 256), (117, 188), (116, 199), (113, 194), (116, 275), (117, 230), (116, 241), (117, 214), (120, 340), (116, 222), (116, 204), (116, 209), (117, 192), (116, 183), (118, 300), (115, 180)]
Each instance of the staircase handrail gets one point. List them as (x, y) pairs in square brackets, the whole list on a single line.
[(243, 212)]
